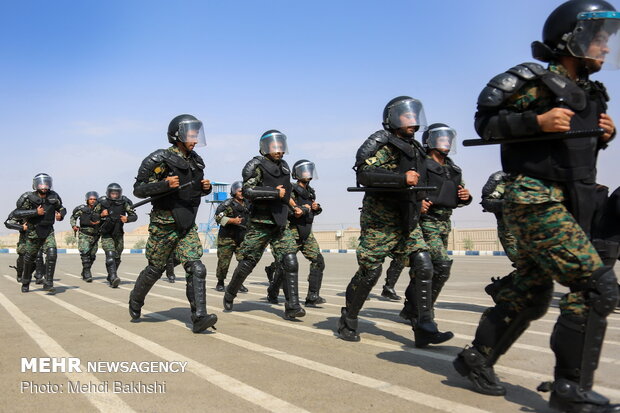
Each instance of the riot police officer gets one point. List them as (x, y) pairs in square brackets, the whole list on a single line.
[(39, 209), (174, 178), (439, 140), (86, 221), (547, 203), (115, 210), (232, 215), (392, 159), (303, 209), (266, 183)]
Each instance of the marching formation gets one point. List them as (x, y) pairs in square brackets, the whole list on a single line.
[(555, 222)]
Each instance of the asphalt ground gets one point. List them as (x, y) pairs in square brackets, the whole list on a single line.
[(256, 360)]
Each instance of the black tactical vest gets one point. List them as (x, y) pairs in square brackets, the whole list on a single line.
[(236, 232), (273, 175), (86, 217), (185, 202), (112, 224), (304, 196), (446, 178), (411, 158), (43, 224), (562, 160)]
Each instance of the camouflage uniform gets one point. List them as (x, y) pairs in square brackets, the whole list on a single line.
[(551, 243), (229, 236), (268, 225), (112, 233), (389, 227), (17, 224), (307, 244), (88, 237), (40, 234), (172, 229)]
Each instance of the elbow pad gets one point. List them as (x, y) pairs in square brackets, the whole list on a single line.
[(262, 193), (24, 213), (381, 178), (145, 190)]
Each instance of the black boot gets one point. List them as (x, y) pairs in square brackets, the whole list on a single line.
[(170, 271), (189, 293), (424, 328), (19, 267), (50, 269), (86, 265), (244, 268), (290, 267), (242, 289), (441, 274), (277, 277), (392, 274), (472, 364), (201, 320), (39, 274), (147, 278), (220, 286), (357, 291), (315, 279), (110, 265), (270, 269), (29, 265)]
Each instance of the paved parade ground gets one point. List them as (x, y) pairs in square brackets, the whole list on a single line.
[(256, 360)]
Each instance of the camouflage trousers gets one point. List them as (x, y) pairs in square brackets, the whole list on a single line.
[(226, 247), (260, 235), (113, 243), (309, 249), (33, 244), (165, 240), (88, 244), (21, 243), (378, 242), (508, 241), (551, 246), (436, 235)]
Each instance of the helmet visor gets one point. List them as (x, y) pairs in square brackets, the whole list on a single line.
[(443, 139), (273, 143), (114, 192), (306, 171), (596, 37), (92, 194), (192, 131), (42, 182), (407, 113)]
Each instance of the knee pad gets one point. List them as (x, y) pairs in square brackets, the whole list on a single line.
[(289, 263), (602, 293), (320, 262), (196, 268), (421, 266), (52, 254), (110, 257)]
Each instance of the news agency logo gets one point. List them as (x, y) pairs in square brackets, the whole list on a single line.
[(74, 365)]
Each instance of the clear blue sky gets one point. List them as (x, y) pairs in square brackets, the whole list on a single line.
[(90, 87)]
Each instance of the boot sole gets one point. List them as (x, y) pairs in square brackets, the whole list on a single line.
[(210, 322), (115, 282), (464, 370)]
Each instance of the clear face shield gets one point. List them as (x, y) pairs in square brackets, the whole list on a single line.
[(306, 171), (596, 37), (443, 139), (42, 183), (236, 187), (114, 193), (192, 131), (407, 113), (273, 143)]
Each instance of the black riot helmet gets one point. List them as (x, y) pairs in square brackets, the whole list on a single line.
[(573, 26), (272, 141), (116, 189), (42, 183), (237, 185), (404, 105), (441, 137), (186, 128), (91, 194), (304, 170)]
